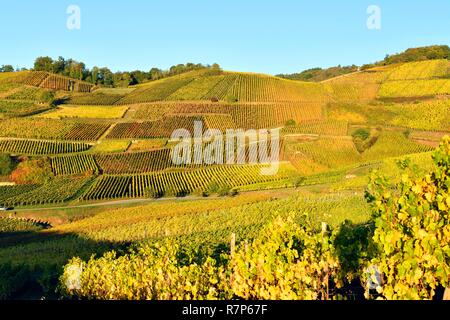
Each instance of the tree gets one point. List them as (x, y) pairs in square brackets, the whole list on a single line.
[(43, 64), (412, 230), (6, 164), (7, 68), (59, 65), (156, 74)]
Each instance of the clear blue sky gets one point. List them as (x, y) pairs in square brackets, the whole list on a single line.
[(278, 36)]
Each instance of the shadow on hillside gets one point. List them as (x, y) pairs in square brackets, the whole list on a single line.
[(32, 262)]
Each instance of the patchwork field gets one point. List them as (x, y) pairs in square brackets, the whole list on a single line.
[(87, 169)]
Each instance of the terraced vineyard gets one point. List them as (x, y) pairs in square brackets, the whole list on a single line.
[(17, 225), (415, 88), (334, 128), (58, 190), (101, 144), (74, 164), (32, 78), (10, 109), (86, 131), (53, 81), (135, 162), (419, 70), (176, 183), (36, 147), (430, 115), (156, 91), (97, 98), (30, 94), (357, 87), (258, 88), (7, 192), (36, 128), (393, 144), (244, 116), (133, 130), (227, 87), (329, 152), (92, 112)]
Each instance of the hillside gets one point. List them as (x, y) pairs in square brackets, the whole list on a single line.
[(84, 165)]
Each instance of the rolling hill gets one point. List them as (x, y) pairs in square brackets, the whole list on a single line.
[(82, 146)]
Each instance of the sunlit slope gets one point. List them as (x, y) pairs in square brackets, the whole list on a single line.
[(360, 86), (227, 86), (417, 79)]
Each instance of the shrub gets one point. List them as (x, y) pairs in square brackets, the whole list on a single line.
[(286, 261), (159, 272), (33, 172), (6, 164), (412, 231), (361, 134)]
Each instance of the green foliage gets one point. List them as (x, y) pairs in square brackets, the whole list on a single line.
[(413, 230), (290, 123), (319, 74), (361, 134), (418, 54), (7, 68), (7, 164), (33, 172), (47, 96), (286, 261), (17, 225), (159, 272)]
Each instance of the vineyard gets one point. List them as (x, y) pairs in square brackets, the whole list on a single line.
[(15, 225), (74, 164), (176, 183), (419, 70), (147, 145), (94, 112), (360, 86), (40, 128), (109, 146), (86, 131), (415, 88), (7, 192), (32, 78), (56, 191), (95, 99), (156, 91), (393, 144), (208, 218), (101, 144), (53, 82), (134, 130), (227, 87), (328, 152), (27, 93), (333, 128), (244, 116), (36, 147), (10, 109), (137, 162), (430, 115), (258, 88)]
